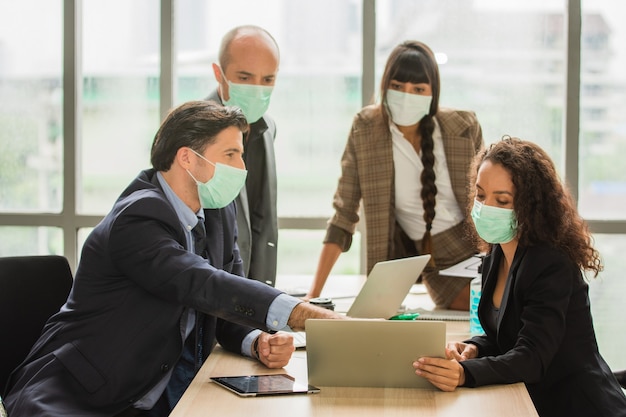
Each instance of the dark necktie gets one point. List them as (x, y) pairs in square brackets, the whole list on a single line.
[(199, 239), (199, 248)]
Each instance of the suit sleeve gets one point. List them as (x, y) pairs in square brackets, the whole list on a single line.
[(347, 198), (230, 335), (144, 247)]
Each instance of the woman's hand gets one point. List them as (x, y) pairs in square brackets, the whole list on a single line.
[(445, 374), (461, 351)]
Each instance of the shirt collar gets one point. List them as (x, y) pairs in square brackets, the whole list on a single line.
[(186, 216)]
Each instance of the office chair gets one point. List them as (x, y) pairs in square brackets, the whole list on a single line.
[(32, 288)]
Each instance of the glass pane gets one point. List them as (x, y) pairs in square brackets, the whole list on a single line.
[(120, 113), (317, 91), (31, 135), (26, 241), (511, 72), (602, 185), (298, 253), (607, 299)]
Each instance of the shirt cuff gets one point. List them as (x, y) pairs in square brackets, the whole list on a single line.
[(246, 345), (280, 310)]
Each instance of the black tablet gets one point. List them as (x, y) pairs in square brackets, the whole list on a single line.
[(256, 385)]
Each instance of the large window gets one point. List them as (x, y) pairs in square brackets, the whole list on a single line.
[(318, 91), (602, 182), (82, 94), (502, 59), (120, 98), (31, 131), (602, 177)]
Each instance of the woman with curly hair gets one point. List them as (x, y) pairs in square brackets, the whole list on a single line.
[(535, 305)]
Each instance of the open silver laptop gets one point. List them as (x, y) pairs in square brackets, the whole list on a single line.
[(386, 287), (371, 353)]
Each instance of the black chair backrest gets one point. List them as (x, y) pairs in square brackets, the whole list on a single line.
[(32, 288)]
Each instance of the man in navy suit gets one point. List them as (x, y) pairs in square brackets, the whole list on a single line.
[(153, 292)]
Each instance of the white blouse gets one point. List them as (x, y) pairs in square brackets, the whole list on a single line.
[(408, 186)]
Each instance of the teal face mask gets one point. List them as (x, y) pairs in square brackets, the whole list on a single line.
[(223, 188), (494, 224), (253, 100)]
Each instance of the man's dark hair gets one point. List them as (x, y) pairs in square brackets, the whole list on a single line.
[(195, 125)]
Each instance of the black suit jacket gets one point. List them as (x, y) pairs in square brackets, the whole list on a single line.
[(544, 337), (120, 330), (257, 218)]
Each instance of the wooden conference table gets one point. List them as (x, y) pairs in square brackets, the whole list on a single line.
[(204, 398)]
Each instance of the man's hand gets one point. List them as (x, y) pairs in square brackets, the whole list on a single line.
[(304, 311), (275, 350)]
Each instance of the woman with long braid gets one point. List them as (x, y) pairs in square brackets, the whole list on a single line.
[(407, 160)]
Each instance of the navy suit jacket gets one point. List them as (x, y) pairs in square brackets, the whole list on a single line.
[(120, 329), (544, 337)]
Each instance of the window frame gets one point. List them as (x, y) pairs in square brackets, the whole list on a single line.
[(70, 221)]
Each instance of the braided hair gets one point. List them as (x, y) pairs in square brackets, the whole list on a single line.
[(414, 62)]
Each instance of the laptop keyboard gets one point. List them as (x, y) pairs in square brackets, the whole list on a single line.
[(299, 339)]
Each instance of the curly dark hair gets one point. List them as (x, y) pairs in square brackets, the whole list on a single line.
[(544, 207)]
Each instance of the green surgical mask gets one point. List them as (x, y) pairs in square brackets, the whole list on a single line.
[(494, 224), (252, 99), (222, 188)]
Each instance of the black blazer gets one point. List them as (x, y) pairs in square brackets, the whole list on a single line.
[(544, 337), (119, 331), (257, 218)]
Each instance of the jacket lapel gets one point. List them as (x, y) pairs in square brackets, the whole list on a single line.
[(458, 150), (510, 283)]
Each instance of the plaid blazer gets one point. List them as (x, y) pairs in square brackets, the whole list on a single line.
[(368, 175)]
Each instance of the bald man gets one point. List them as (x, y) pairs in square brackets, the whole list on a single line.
[(246, 73)]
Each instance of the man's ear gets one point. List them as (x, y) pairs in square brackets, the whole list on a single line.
[(183, 157), (222, 86), (217, 73)]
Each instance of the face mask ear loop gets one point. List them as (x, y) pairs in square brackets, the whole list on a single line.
[(191, 175), (224, 75), (202, 157)]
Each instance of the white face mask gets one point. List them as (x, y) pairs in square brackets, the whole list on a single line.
[(407, 109)]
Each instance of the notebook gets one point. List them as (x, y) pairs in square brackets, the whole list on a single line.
[(371, 353), (467, 268), (440, 314), (386, 286)]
